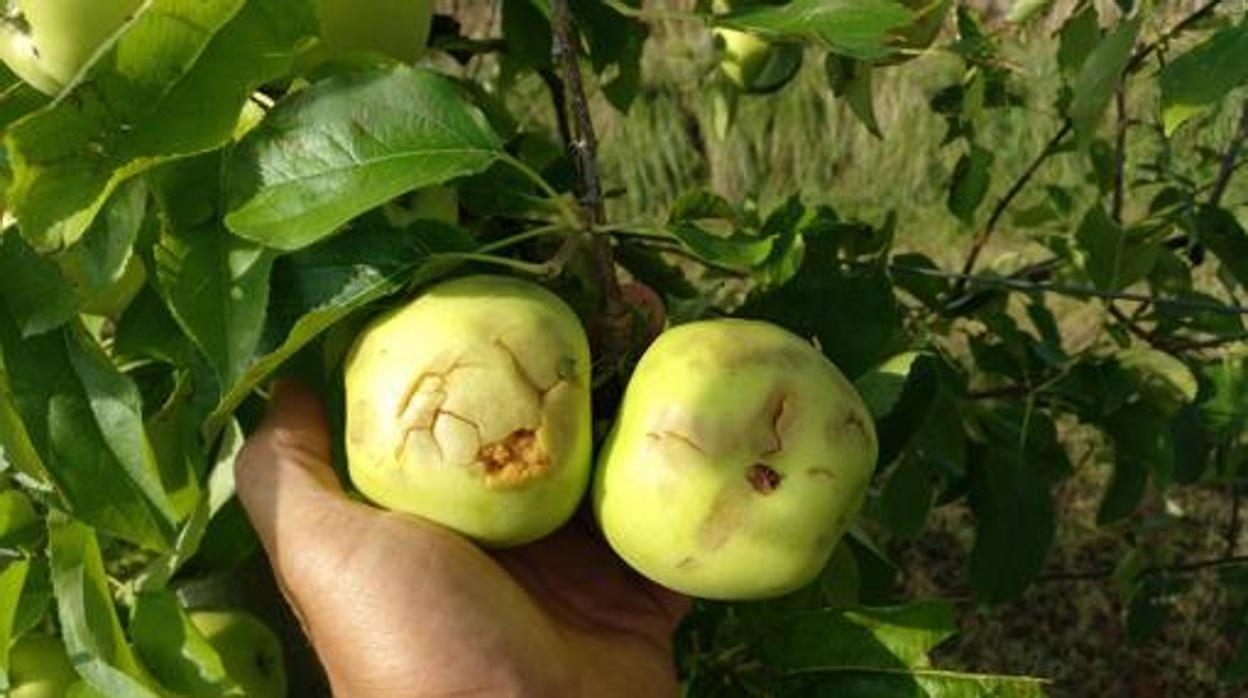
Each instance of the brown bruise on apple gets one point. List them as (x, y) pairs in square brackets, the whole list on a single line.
[(729, 511)]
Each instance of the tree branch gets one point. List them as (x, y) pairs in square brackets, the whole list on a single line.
[(1003, 204), (1230, 159), (1137, 61), (1015, 284), (584, 151), (1120, 152)]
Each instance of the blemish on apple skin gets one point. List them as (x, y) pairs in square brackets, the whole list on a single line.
[(726, 517), (763, 478), (687, 563), (821, 472)]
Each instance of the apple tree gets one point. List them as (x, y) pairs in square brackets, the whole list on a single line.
[(201, 197)]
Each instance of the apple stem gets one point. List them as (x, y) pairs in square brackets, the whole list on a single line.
[(583, 146)]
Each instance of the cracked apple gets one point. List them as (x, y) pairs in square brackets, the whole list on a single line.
[(739, 457), (48, 42), (397, 28), (470, 407), (751, 62)]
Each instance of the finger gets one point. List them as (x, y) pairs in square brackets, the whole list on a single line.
[(287, 486)]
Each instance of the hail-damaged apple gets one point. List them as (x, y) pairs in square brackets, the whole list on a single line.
[(48, 42), (471, 407), (739, 457)]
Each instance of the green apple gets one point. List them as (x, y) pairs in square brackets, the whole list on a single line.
[(17, 516), (751, 62), (434, 203), (470, 407), (739, 457), (397, 28), (48, 42), (39, 667), (249, 651)]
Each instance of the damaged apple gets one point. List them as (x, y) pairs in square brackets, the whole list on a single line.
[(471, 407), (738, 459)]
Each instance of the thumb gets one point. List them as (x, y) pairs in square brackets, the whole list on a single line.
[(286, 484)]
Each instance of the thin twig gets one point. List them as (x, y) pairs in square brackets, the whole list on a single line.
[(1143, 53), (1003, 204), (560, 103), (1230, 158), (1120, 152), (584, 149), (1137, 61), (1008, 283), (1182, 568), (1232, 528)]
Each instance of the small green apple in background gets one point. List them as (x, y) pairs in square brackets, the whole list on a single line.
[(39, 667), (470, 407), (397, 28), (250, 652), (47, 42), (439, 203), (751, 62), (739, 457)]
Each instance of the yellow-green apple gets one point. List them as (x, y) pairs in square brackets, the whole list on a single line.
[(751, 62), (39, 667), (396, 28), (470, 407), (48, 42), (249, 651), (739, 457)]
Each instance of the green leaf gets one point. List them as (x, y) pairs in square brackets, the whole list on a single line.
[(1143, 446), (84, 420), (35, 294), (882, 637), (908, 497), (1099, 76), (172, 85), (1201, 77), (900, 393), (319, 286), (1166, 383), (347, 145), (740, 252), (12, 580), (88, 619), (856, 28), (174, 650), (852, 312), (925, 683), (1010, 495), (616, 42), (1222, 233), (1079, 36), (217, 286), (969, 186), (1112, 257), (850, 80), (98, 261)]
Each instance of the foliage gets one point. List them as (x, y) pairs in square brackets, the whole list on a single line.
[(253, 193)]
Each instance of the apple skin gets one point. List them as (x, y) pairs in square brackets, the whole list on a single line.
[(739, 457), (39, 667), (397, 28), (59, 37), (249, 650), (470, 406), (439, 203), (751, 62)]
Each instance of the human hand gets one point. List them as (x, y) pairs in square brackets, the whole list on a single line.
[(399, 606)]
